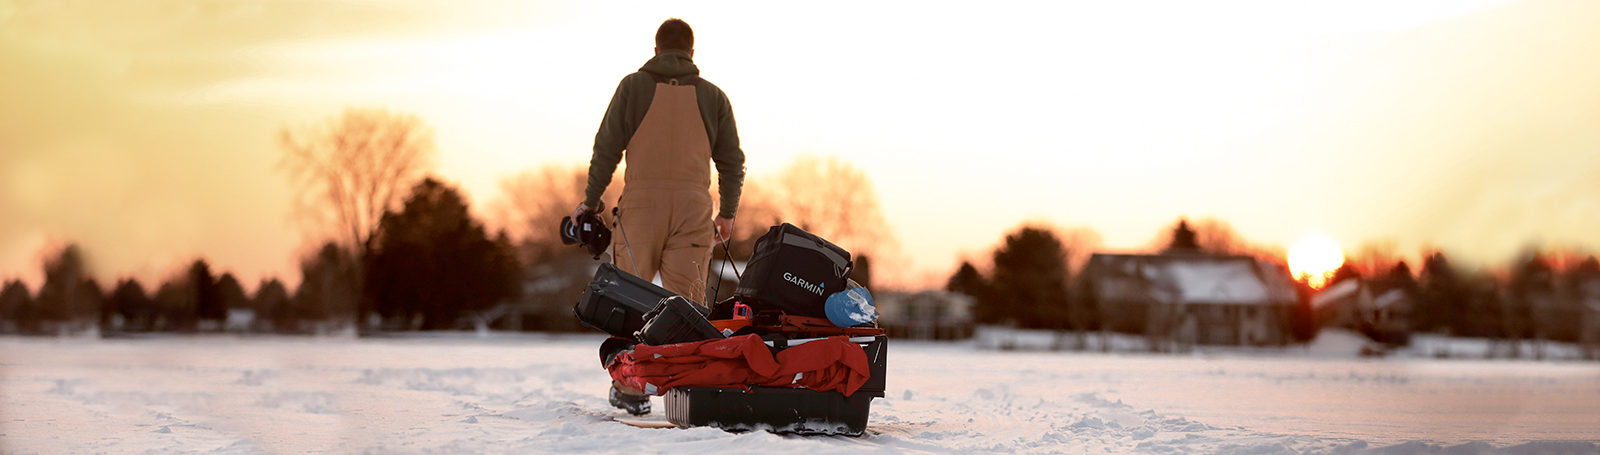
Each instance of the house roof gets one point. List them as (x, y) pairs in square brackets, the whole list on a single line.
[(1188, 279), (1344, 290), (1394, 299)]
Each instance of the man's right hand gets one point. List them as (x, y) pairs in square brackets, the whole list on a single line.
[(577, 212)]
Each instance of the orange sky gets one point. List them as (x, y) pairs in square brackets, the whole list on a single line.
[(146, 130)]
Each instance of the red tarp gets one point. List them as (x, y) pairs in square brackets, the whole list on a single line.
[(832, 363)]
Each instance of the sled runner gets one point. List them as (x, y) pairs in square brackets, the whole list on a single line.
[(648, 421)]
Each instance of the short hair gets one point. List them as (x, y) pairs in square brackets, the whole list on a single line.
[(675, 34)]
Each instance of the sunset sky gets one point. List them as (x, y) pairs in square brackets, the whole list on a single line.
[(146, 130)]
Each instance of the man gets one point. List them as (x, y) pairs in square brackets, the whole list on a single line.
[(672, 125)]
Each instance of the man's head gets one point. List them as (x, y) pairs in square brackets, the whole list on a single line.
[(675, 34)]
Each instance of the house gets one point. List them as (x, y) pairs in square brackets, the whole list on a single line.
[(927, 315), (1588, 296), (1339, 304), (1380, 309), (1386, 318), (1191, 298), (242, 320)]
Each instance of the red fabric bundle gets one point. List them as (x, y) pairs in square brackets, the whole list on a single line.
[(832, 363)]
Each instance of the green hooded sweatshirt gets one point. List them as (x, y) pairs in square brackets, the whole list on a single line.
[(627, 110)]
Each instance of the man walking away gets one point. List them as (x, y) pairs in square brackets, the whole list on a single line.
[(671, 126)]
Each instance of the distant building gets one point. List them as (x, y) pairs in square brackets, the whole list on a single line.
[(1380, 309), (1588, 290), (242, 320), (927, 315), (1191, 298), (549, 291), (1338, 304), (1387, 319)]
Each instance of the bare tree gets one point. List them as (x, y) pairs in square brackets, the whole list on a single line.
[(353, 168), (1375, 259), (758, 211), (830, 198), (533, 202), (1078, 243)]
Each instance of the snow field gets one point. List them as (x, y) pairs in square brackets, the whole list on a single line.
[(545, 394)]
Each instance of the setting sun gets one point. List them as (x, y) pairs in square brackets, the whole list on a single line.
[(1314, 259)]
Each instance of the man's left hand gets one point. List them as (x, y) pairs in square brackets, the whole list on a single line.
[(724, 228)]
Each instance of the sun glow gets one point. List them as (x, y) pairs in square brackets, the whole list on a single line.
[(1314, 259)]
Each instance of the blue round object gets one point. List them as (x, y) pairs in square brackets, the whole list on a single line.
[(850, 307)]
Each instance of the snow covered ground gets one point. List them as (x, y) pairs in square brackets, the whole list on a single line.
[(510, 393)]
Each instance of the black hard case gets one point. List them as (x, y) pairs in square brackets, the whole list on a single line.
[(615, 301), (782, 409), (674, 321), (793, 271)]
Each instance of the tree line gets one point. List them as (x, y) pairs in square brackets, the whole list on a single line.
[(1541, 296), (400, 249), (431, 264), (1028, 281)]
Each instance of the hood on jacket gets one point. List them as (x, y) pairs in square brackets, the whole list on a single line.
[(671, 63)]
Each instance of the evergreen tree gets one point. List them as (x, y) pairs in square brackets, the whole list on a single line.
[(327, 285), (1589, 267), (1346, 271), (1532, 285), (129, 300), (16, 306), (1401, 271), (1444, 296), (207, 296), (862, 271), (271, 303), (1030, 281), (434, 262), (176, 305), (967, 281), (232, 292), (1184, 238)]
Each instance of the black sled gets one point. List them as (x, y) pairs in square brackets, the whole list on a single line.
[(784, 409)]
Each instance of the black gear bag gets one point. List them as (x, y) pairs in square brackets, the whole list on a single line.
[(793, 271)]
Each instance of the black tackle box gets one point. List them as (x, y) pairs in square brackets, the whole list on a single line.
[(783, 409), (793, 271), (615, 301)]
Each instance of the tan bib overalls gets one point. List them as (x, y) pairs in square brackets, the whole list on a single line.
[(666, 205)]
